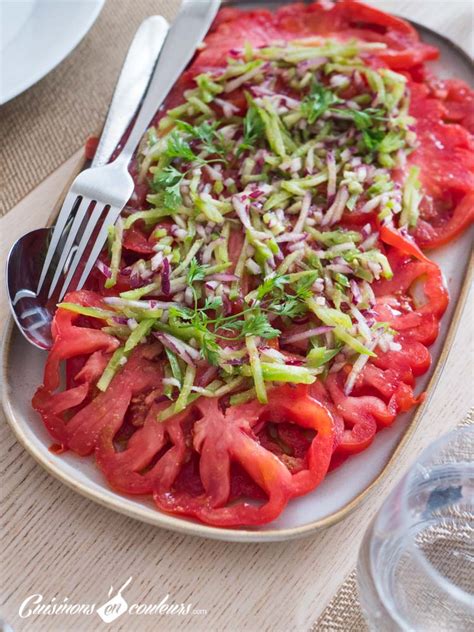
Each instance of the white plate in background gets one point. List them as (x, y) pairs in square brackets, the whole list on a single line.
[(36, 35)]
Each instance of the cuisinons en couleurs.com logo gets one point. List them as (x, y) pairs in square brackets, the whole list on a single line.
[(36, 605)]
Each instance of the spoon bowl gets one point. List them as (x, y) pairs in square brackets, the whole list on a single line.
[(31, 312)]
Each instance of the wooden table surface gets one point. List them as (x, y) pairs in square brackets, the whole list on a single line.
[(59, 544)]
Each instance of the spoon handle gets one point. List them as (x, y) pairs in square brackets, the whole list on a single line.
[(131, 85)]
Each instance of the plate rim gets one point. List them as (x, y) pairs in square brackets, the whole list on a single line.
[(95, 10)]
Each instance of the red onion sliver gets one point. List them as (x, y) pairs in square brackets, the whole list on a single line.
[(165, 277), (316, 331)]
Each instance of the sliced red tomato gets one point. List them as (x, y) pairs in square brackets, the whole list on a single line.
[(91, 147), (412, 360), (392, 305), (136, 240), (402, 242), (361, 415), (346, 19), (79, 430), (447, 225), (154, 453), (189, 462), (458, 101), (71, 340), (445, 155)]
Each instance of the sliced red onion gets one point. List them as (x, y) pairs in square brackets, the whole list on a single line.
[(156, 261), (294, 362), (208, 375), (336, 210), (223, 277), (310, 64), (213, 172), (234, 361), (189, 296), (120, 320), (171, 381), (228, 108), (290, 237), (356, 295), (370, 242), (357, 368), (106, 271), (375, 268), (304, 335), (242, 211), (305, 206), (165, 277), (226, 305), (340, 268), (209, 249), (122, 302), (187, 353), (298, 245), (135, 280)]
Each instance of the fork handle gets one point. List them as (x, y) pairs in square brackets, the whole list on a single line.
[(186, 32), (131, 85)]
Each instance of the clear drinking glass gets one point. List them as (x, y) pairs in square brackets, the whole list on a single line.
[(416, 562)]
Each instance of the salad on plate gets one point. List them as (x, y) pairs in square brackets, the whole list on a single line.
[(265, 303)]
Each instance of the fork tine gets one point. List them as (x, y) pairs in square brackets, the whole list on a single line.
[(64, 214), (110, 219), (76, 225)]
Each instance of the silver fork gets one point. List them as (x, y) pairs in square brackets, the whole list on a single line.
[(107, 189), (30, 309)]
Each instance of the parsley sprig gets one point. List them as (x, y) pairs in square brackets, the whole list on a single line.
[(168, 179)]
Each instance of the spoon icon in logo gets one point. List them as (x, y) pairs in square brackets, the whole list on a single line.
[(115, 606)]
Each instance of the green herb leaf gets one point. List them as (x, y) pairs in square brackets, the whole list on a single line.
[(168, 180), (210, 349), (317, 102), (271, 283), (196, 271), (178, 147), (256, 324), (206, 133), (254, 127)]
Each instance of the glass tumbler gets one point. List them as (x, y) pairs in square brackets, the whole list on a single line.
[(416, 562)]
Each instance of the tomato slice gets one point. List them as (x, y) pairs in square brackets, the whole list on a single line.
[(71, 340), (295, 404), (347, 19), (448, 225), (91, 147), (392, 305), (79, 430), (191, 461), (402, 242), (223, 438), (445, 154), (220, 439)]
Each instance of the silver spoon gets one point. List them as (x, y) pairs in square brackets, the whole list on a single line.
[(33, 313)]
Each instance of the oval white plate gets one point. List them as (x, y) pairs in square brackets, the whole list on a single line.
[(36, 35), (341, 491)]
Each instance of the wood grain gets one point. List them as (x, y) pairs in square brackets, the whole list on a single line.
[(59, 544)]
